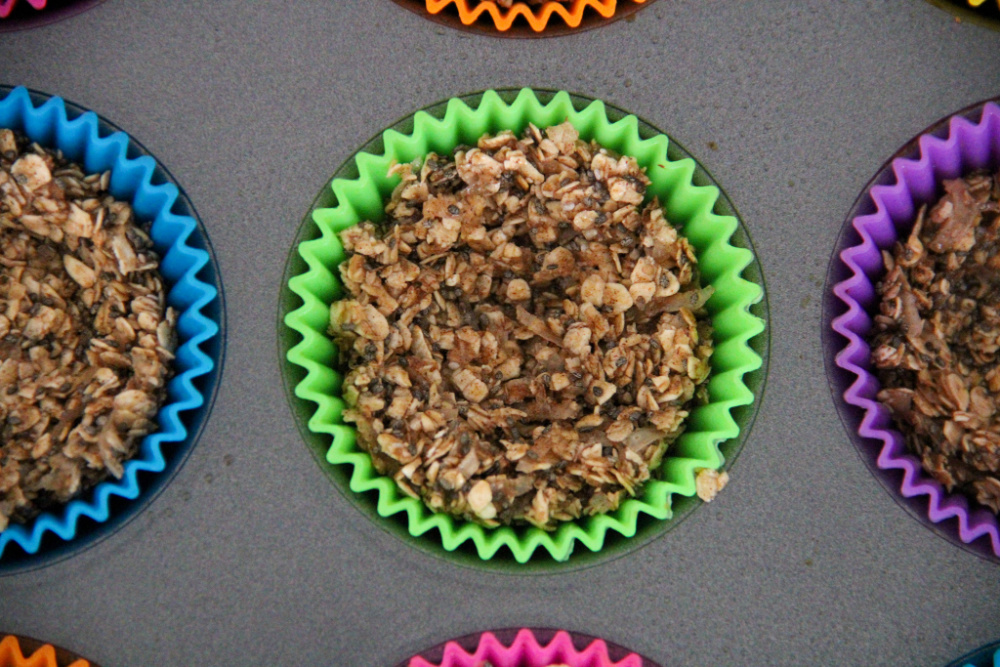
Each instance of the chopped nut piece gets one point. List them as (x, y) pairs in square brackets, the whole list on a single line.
[(471, 387), (79, 388), (592, 290), (522, 336), (577, 340), (518, 290), (709, 482), (481, 500), (937, 336)]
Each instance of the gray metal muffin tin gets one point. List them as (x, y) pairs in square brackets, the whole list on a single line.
[(251, 556)]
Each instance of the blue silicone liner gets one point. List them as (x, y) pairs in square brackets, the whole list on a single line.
[(194, 291), (986, 656)]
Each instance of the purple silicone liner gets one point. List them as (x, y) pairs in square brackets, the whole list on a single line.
[(886, 210), (526, 647)]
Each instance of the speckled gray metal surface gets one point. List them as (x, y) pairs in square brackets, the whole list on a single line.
[(251, 556)]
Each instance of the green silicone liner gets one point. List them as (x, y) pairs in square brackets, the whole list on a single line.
[(358, 193)]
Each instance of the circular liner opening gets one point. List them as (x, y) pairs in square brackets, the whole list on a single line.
[(840, 379), (23, 16), (541, 561), (987, 656), (12, 647), (528, 647), (484, 24), (986, 14), (88, 531)]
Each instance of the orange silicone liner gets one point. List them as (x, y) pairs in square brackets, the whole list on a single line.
[(45, 655), (982, 12), (470, 11)]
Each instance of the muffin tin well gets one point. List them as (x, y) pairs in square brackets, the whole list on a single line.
[(885, 211), (715, 432), (193, 289)]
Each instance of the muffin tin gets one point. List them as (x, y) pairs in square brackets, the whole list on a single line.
[(251, 555)]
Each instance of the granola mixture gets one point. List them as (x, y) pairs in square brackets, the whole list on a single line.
[(937, 337), (523, 335), (85, 344)]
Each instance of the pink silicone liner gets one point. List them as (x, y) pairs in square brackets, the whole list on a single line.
[(525, 650), (7, 6), (969, 145), (15, 16)]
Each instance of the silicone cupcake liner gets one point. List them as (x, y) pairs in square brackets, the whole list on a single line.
[(987, 656), (26, 652), (527, 648), (524, 20), (885, 211), (193, 290), (982, 12), (7, 6), (21, 14), (358, 193)]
